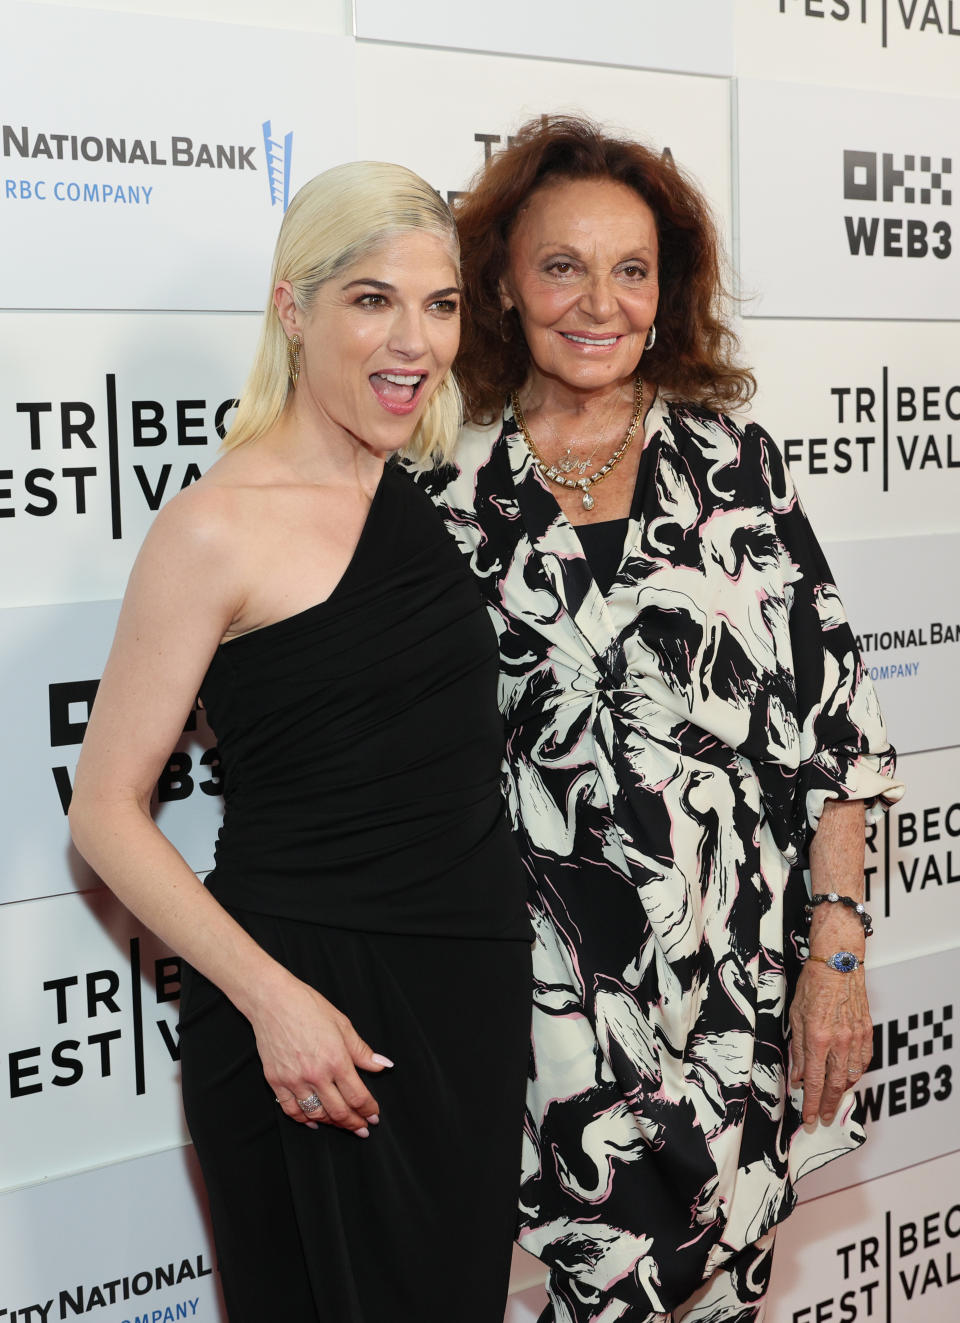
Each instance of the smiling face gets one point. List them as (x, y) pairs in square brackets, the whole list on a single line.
[(378, 339), (582, 276)]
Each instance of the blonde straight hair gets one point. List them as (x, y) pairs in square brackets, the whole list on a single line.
[(335, 220)]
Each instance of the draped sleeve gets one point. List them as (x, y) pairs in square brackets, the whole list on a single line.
[(842, 746)]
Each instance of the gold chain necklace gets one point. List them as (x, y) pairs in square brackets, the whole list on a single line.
[(568, 463), (552, 471)]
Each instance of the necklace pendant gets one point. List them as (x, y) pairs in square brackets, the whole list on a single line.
[(566, 464), (588, 501)]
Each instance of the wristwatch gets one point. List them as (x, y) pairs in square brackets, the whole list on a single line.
[(844, 962)]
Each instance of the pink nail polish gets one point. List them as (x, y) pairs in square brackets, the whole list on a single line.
[(381, 1060), (312, 1125), (362, 1133), (373, 1120)]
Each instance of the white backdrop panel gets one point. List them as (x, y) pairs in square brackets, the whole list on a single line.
[(103, 417), (908, 629), (868, 417), (484, 98), (165, 184), (89, 1039), (127, 1242), (888, 1251), (847, 202), (51, 663), (909, 1092), (695, 36), (308, 15), (910, 44)]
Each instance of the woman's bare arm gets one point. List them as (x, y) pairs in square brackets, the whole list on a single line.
[(183, 593)]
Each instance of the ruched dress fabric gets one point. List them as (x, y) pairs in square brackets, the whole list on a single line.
[(365, 846), (670, 746)]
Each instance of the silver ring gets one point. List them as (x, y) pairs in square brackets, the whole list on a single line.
[(310, 1105)]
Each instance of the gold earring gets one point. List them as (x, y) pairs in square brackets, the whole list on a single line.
[(293, 359)]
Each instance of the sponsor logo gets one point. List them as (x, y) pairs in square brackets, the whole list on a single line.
[(96, 1016), (279, 152), (70, 703), (899, 1043), (883, 429), (96, 441), (879, 177), (53, 149), (491, 141), (885, 18), (906, 1261), (72, 1301), (932, 635)]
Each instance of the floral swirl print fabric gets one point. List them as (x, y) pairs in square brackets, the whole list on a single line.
[(669, 751)]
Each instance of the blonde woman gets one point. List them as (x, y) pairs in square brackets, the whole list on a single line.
[(355, 1009)]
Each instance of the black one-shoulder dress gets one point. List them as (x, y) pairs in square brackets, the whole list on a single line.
[(364, 845)]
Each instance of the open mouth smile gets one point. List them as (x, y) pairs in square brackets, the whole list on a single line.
[(591, 341), (398, 392)]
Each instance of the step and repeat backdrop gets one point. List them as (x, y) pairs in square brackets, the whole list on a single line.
[(147, 159)]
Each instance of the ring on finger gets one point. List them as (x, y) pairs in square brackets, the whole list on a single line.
[(310, 1104)]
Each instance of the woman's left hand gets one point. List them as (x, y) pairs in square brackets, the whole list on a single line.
[(832, 1038)]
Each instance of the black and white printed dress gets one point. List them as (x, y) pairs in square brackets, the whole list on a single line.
[(670, 748)]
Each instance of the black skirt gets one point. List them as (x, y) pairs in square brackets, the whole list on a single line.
[(413, 1224)]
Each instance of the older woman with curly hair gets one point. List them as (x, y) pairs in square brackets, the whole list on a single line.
[(689, 728)]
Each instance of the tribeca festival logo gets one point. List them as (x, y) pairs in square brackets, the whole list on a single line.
[(906, 181), (61, 164), (95, 1015), (493, 142), (907, 1261), (928, 18), (76, 448), (883, 428), (912, 853)]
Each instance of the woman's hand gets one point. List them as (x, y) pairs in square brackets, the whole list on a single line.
[(308, 1047), (830, 1022), (832, 1039)]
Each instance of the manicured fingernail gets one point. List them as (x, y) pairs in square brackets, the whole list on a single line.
[(828, 1120), (373, 1120), (362, 1133), (382, 1061), (312, 1125), (810, 1126)]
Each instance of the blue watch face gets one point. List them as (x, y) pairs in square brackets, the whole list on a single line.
[(844, 962)]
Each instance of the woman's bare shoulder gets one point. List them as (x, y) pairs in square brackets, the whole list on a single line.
[(217, 511)]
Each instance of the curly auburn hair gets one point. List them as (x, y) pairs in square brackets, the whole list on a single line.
[(693, 356)]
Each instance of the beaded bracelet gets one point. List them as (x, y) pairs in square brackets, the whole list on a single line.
[(857, 906)]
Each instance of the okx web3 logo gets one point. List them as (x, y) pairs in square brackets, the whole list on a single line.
[(889, 183)]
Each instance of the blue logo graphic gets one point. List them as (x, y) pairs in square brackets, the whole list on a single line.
[(279, 152)]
